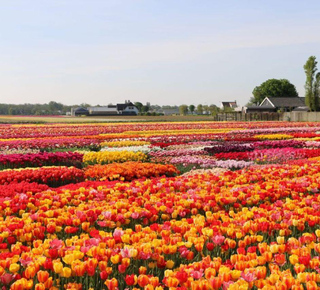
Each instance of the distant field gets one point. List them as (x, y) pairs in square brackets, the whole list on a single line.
[(68, 119)]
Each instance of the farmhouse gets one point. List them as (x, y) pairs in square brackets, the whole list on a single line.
[(80, 111), (225, 105), (275, 104), (170, 112), (127, 108)]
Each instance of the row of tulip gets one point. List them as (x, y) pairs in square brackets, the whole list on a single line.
[(19, 151), (128, 171), (207, 162), (284, 128), (142, 148), (273, 136), (106, 157), (46, 144), (213, 147), (12, 189), (41, 159), (179, 152), (52, 176), (124, 143), (270, 155), (125, 171)]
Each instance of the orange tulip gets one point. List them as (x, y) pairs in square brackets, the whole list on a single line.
[(30, 272), (42, 276), (312, 285), (288, 281), (281, 286), (209, 273), (142, 270), (154, 281), (40, 286), (143, 280), (216, 282), (299, 268), (297, 287), (48, 283), (111, 284), (22, 284), (172, 282)]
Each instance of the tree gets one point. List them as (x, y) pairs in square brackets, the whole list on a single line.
[(312, 85), (200, 109), (206, 109), (12, 111), (317, 91), (273, 88), (54, 106), (191, 108), (139, 106), (214, 110), (169, 107), (228, 109), (144, 109), (183, 109), (84, 105)]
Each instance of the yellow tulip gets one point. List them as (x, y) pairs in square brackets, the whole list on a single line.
[(66, 272), (170, 264), (57, 267), (14, 268)]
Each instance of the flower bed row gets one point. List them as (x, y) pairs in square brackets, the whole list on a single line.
[(41, 159), (57, 176), (46, 144), (124, 143), (12, 189), (106, 157), (270, 155), (51, 176), (128, 171)]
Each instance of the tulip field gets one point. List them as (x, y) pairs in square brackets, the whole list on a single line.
[(171, 205)]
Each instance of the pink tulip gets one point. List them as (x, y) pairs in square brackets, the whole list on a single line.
[(56, 244), (6, 278), (218, 239), (249, 277)]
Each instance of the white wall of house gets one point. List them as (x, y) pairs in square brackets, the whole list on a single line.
[(131, 109), (101, 110), (112, 110)]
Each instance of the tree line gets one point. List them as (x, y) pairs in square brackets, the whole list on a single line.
[(200, 109), (55, 108), (182, 109), (51, 108)]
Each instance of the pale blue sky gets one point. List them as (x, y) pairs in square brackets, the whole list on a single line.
[(158, 51)]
